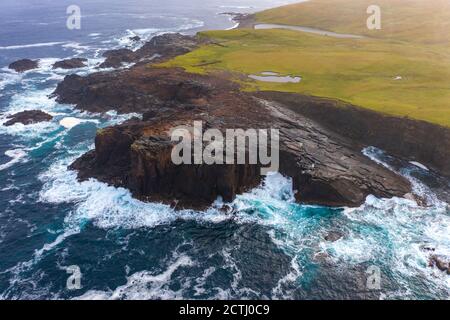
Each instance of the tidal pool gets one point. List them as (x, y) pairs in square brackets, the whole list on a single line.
[(269, 76)]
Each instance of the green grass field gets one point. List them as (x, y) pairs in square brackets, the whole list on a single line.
[(358, 71), (420, 21)]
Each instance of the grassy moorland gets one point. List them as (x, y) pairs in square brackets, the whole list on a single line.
[(359, 71), (421, 21)]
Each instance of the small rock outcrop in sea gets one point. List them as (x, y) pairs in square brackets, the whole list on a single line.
[(135, 38), (28, 117), (24, 65), (440, 262), (325, 167), (166, 45), (333, 236), (70, 63)]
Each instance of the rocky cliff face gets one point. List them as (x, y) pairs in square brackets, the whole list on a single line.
[(405, 138), (326, 168)]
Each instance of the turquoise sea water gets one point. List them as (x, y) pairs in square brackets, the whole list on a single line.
[(269, 247)]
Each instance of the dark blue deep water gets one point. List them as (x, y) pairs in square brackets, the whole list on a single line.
[(125, 249)]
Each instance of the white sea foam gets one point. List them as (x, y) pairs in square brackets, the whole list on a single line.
[(106, 206), (145, 285), (30, 131), (78, 48), (70, 122), (419, 165), (7, 78), (398, 228), (29, 100), (147, 33), (33, 45), (114, 118), (291, 277), (16, 155), (235, 7), (32, 100)]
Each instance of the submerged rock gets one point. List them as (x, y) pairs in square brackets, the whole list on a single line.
[(24, 65), (28, 117), (70, 63)]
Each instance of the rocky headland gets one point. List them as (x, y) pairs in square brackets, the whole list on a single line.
[(327, 166), (168, 45)]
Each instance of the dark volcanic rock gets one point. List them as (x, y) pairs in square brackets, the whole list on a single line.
[(166, 45), (169, 45), (24, 65), (115, 58), (326, 168), (440, 262), (405, 138), (70, 63), (29, 117), (131, 91)]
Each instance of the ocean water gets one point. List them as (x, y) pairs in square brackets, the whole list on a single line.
[(270, 248)]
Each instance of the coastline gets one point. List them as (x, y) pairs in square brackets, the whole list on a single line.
[(136, 154), (88, 180), (352, 128)]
